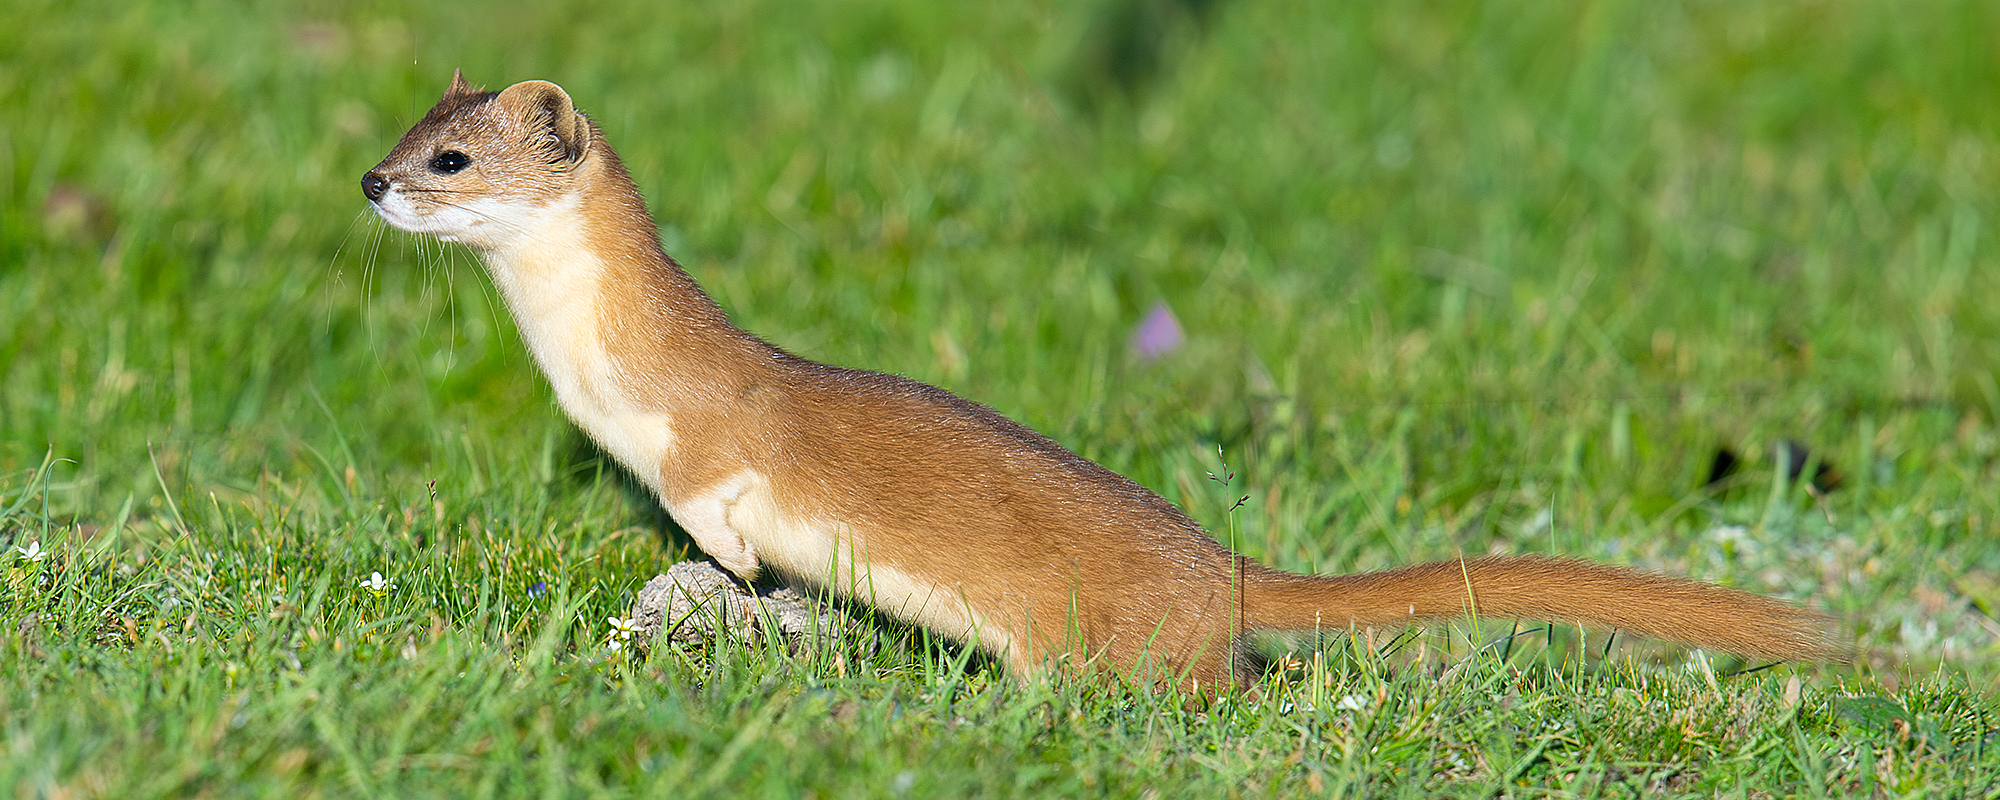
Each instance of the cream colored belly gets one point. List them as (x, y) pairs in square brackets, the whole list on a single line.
[(742, 519)]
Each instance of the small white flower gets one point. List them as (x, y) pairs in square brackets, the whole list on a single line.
[(375, 583), (621, 632), (1352, 702), (33, 552)]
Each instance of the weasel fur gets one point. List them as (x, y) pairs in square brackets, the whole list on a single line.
[(898, 494)]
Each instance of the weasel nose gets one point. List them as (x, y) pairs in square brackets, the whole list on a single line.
[(374, 186)]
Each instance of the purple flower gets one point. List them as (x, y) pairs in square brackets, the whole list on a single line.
[(540, 588), (1158, 334)]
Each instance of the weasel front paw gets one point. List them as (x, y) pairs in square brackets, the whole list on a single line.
[(741, 562)]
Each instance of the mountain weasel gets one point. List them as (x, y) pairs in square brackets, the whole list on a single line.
[(901, 495)]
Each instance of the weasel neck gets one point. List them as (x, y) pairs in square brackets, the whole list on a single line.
[(627, 339)]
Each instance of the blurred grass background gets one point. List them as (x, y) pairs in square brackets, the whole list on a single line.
[(1455, 278)]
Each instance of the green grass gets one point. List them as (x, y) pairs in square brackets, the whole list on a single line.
[(1457, 278)]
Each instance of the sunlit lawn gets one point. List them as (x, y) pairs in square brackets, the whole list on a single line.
[(1453, 278)]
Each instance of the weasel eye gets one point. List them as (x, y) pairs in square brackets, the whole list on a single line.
[(450, 162)]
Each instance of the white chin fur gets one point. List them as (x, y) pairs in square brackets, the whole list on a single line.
[(482, 223), (446, 222)]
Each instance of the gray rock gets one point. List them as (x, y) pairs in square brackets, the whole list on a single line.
[(694, 602)]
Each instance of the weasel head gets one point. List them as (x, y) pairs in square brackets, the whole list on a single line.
[(483, 167)]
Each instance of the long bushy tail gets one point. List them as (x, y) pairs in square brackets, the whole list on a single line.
[(1536, 587)]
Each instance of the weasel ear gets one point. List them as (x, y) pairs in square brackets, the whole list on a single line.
[(459, 88), (545, 109)]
